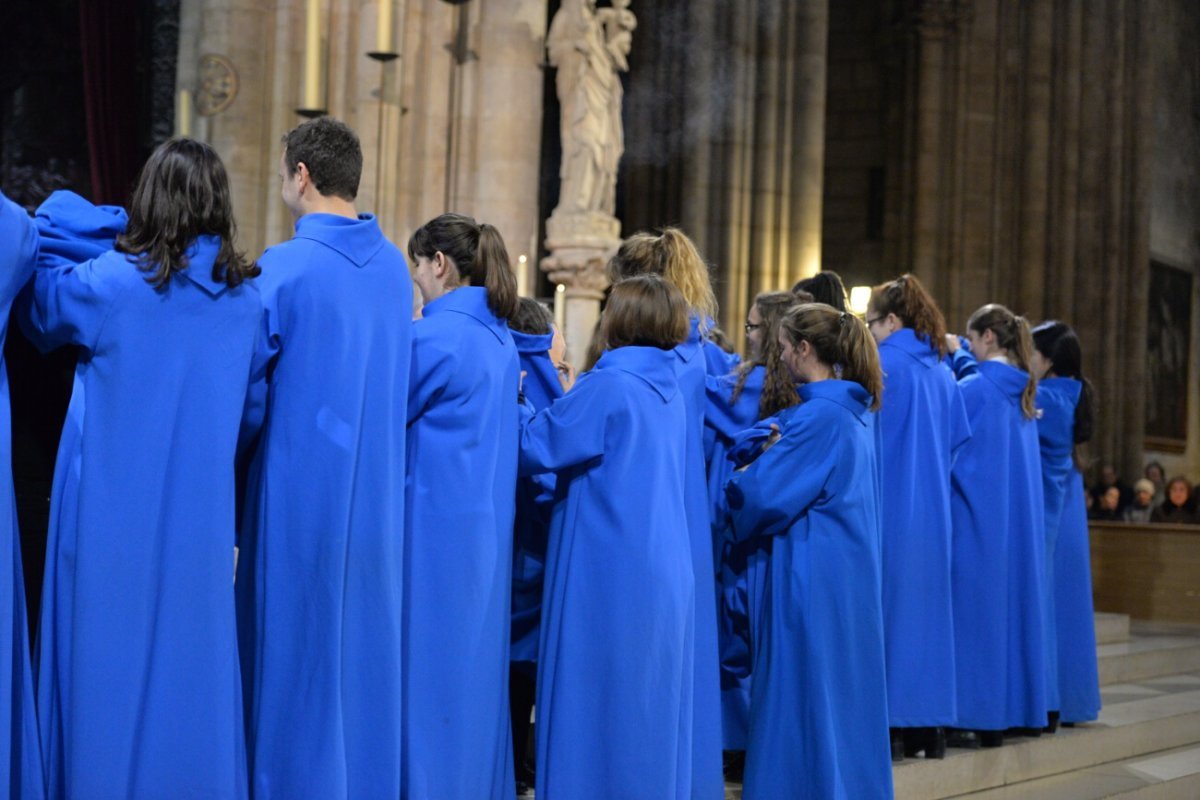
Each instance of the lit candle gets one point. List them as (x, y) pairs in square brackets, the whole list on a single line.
[(860, 298), (522, 276), (183, 114), (383, 28), (560, 307), (312, 57)]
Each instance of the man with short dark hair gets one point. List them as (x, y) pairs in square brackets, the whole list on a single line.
[(320, 568)]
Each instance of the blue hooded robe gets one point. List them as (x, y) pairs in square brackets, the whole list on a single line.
[(818, 712), (741, 565), (708, 782), (21, 762), (998, 554), (922, 424), (1073, 671), (138, 686), (460, 493), (321, 560), (614, 696), (535, 500)]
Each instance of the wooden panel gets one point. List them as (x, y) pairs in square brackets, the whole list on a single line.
[(1147, 571)]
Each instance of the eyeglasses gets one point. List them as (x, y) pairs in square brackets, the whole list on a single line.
[(871, 322), (750, 326)]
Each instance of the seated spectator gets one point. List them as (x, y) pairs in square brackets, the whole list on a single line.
[(1109, 477), (1108, 507), (1143, 502), (1155, 473), (1177, 507)]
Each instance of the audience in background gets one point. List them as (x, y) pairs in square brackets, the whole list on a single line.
[(1143, 502), (1109, 477), (1178, 506), (1157, 476)]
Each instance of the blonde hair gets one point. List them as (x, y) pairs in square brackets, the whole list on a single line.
[(672, 255)]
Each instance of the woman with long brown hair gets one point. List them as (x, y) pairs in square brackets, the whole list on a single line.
[(922, 425), (459, 505), (818, 708), (139, 685), (999, 551)]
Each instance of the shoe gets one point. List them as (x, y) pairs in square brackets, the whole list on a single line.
[(962, 738), (1068, 724), (1031, 733), (897, 744), (935, 744), (1051, 722), (991, 738)]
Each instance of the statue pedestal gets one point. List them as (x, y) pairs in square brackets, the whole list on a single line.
[(580, 246)]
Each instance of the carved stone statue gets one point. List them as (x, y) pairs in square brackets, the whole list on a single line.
[(589, 47)]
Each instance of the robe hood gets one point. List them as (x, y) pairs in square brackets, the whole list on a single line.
[(916, 347), (471, 301), (1008, 379), (201, 255), (654, 367), (847, 394), (531, 343), (356, 239)]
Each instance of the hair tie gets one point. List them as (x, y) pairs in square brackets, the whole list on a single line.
[(842, 319)]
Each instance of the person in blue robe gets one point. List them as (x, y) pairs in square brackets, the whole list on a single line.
[(734, 403), (818, 709), (1066, 420), (672, 255), (460, 489), (320, 567), (999, 542), (21, 762), (541, 350), (138, 687), (615, 660), (922, 424)]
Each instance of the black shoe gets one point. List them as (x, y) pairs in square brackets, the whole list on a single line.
[(962, 738), (734, 765), (897, 744), (935, 745), (1031, 733), (1051, 722), (1068, 724), (991, 738)]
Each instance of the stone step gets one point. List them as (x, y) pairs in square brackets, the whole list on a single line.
[(1111, 628), (1139, 718), (1153, 649), (1170, 775)]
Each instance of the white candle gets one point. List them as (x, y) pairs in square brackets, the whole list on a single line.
[(560, 307), (383, 28), (183, 114), (312, 56), (523, 276)]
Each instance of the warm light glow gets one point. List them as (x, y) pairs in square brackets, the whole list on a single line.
[(522, 259), (523, 276), (860, 296), (560, 306)]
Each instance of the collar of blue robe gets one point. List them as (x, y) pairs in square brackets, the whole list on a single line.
[(916, 347), (1007, 378), (690, 347), (529, 343), (201, 254), (846, 394), (356, 239), (472, 302), (1068, 387), (655, 367)]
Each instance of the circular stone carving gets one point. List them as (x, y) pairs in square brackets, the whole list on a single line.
[(218, 85)]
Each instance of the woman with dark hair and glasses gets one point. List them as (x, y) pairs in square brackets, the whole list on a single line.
[(921, 427), (138, 682), (1066, 406)]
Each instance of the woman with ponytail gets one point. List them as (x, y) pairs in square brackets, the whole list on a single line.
[(459, 505), (1067, 412), (922, 425), (760, 388), (818, 708), (998, 554), (672, 256)]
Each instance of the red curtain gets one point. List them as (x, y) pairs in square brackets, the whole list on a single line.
[(108, 37)]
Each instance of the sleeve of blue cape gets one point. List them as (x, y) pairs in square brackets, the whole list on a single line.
[(770, 495), (565, 434), (20, 249), (72, 230), (962, 363), (748, 445), (431, 372), (960, 425), (266, 350)]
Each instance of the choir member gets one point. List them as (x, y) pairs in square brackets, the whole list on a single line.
[(541, 350), (672, 255), (999, 535), (614, 693), (818, 711), (460, 494), (824, 287), (138, 685), (922, 425), (759, 389), (1067, 418), (21, 760), (320, 566)]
